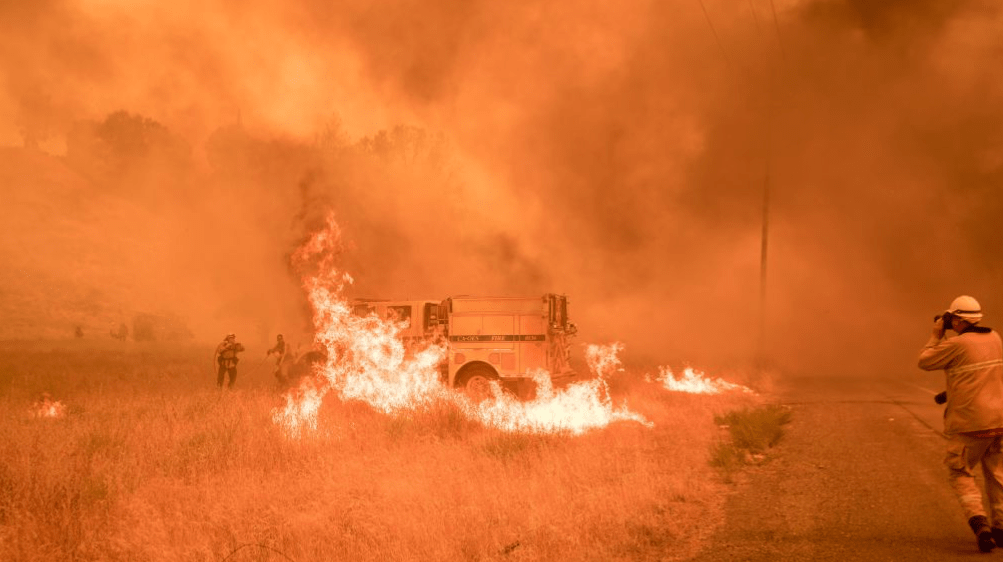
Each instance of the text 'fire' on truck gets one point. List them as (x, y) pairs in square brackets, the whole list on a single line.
[(504, 339)]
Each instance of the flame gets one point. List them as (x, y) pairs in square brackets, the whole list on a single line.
[(696, 382), (47, 408), (604, 360), (367, 361), (579, 407), (300, 414)]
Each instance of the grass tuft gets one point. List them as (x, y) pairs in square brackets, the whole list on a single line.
[(752, 433)]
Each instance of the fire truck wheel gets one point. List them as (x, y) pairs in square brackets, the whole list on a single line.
[(476, 383)]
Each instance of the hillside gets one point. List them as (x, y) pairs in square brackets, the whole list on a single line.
[(72, 253)]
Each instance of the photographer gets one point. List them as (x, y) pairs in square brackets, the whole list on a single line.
[(973, 420)]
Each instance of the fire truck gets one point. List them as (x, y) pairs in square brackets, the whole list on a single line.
[(503, 339)]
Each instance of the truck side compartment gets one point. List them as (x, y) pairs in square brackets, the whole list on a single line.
[(502, 338)]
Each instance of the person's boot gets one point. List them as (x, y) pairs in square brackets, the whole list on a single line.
[(983, 533), (997, 535)]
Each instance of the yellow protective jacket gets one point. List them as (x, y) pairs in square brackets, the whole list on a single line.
[(226, 354), (973, 364)]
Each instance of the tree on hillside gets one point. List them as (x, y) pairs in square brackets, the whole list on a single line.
[(405, 144), (238, 156), (332, 140), (134, 137), (129, 149)]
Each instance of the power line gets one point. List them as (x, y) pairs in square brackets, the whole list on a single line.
[(717, 39), (764, 236), (755, 17), (776, 27), (765, 209)]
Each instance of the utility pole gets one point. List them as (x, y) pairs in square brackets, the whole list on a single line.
[(763, 252), (765, 235)]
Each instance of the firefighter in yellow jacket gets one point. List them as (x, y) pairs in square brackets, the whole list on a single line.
[(226, 358), (973, 420)]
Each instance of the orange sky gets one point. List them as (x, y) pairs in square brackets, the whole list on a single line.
[(614, 152)]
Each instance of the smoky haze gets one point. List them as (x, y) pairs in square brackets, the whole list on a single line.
[(618, 154)]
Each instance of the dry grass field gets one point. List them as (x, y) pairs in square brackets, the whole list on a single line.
[(149, 461)]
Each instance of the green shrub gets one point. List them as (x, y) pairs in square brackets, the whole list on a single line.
[(752, 431)]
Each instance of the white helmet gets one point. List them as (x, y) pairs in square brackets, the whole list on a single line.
[(966, 308)]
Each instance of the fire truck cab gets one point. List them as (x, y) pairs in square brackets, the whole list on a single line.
[(421, 317)]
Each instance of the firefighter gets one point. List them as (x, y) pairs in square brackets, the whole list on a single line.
[(280, 350), (226, 358), (973, 420)]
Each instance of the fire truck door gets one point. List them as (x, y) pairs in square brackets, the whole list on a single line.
[(500, 348), (532, 344)]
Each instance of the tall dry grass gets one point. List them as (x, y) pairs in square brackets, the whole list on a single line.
[(150, 462)]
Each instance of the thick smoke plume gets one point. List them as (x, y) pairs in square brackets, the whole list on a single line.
[(618, 153)]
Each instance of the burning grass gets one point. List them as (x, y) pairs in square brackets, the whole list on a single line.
[(149, 462), (372, 458), (367, 360)]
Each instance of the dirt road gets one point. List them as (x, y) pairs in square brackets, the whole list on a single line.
[(859, 477)]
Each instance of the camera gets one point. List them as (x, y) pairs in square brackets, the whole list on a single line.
[(948, 318)]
